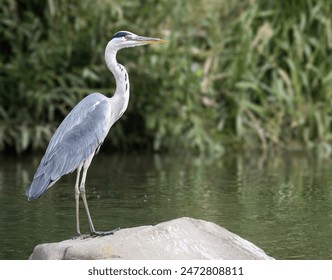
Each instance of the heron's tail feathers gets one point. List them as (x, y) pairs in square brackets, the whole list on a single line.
[(38, 186)]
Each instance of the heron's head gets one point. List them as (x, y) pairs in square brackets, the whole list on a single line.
[(126, 39)]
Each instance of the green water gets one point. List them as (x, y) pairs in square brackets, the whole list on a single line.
[(282, 204)]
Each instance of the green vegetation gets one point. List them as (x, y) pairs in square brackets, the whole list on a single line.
[(250, 74)]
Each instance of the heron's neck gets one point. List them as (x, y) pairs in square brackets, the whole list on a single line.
[(120, 98)]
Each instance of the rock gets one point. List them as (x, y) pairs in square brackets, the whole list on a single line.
[(183, 238)]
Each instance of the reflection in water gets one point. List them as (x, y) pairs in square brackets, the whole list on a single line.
[(282, 204)]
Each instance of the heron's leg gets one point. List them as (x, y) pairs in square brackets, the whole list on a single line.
[(82, 191), (92, 228), (77, 200)]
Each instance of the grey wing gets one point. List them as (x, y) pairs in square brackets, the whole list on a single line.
[(78, 136)]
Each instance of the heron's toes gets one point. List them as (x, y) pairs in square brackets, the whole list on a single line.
[(81, 236), (103, 233)]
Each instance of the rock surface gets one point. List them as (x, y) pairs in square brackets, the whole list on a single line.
[(183, 238)]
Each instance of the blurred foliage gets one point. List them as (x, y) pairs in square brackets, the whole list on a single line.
[(243, 74)]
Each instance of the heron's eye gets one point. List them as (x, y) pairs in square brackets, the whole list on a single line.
[(127, 37)]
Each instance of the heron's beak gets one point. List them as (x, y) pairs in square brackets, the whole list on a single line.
[(148, 40)]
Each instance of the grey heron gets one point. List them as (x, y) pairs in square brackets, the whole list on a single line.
[(80, 135)]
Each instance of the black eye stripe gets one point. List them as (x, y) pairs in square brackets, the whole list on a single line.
[(120, 34)]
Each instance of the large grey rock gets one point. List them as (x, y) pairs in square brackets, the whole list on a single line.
[(183, 238)]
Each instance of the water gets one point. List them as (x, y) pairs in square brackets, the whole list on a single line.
[(281, 204)]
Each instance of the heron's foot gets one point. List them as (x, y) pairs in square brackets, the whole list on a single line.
[(81, 236), (95, 234), (103, 233)]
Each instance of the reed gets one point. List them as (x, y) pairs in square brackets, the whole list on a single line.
[(247, 74)]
